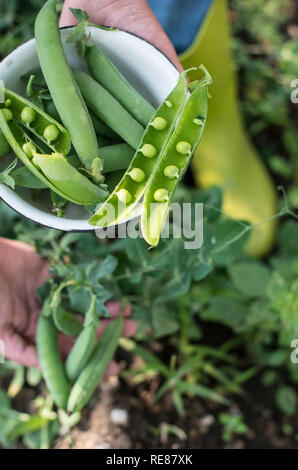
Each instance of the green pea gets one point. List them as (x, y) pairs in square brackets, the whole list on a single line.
[(51, 133), (168, 103), (198, 122), (183, 147), (171, 171), (28, 115), (182, 141), (148, 150), (137, 175), (28, 148), (124, 196), (152, 144), (7, 114), (7, 103), (159, 123), (161, 195)]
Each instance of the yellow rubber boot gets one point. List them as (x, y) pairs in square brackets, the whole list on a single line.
[(226, 157)]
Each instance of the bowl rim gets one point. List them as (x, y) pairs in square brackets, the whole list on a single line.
[(103, 28)]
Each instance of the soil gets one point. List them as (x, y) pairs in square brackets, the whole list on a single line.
[(147, 425)]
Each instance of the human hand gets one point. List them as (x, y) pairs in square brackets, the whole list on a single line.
[(134, 16), (22, 272)]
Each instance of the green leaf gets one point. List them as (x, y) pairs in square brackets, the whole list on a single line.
[(4, 400), (250, 278), (229, 312), (97, 271), (277, 358), (26, 424), (8, 180), (229, 239), (164, 321), (5, 178), (201, 391), (269, 377), (80, 15), (80, 299), (201, 270), (136, 251), (286, 400), (178, 285), (288, 236)]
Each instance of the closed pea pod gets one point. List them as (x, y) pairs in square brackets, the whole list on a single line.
[(101, 128), (66, 95), (91, 375), (37, 121), (133, 184), (80, 352), (109, 110), (50, 361), (116, 157), (84, 344), (105, 73), (174, 161)]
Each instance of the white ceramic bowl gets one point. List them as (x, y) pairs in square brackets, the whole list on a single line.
[(147, 69)]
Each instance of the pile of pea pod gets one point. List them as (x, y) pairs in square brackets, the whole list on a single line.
[(90, 139)]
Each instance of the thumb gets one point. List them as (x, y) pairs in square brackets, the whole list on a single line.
[(17, 348), (134, 16)]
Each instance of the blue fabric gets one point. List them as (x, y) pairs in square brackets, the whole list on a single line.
[(181, 19)]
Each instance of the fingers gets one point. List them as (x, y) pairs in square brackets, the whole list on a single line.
[(139, 19), (129, 328), (112, 369), (115, 309), (17, 348), (134, 16)]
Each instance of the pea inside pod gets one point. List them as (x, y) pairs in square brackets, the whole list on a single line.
[(133, 184), (52, 170), (174, 161), (38, 122)]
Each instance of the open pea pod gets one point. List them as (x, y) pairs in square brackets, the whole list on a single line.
[(53, 170), (50, 131), (174, 161), (131, 188), (4, 147), (23, 177)]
